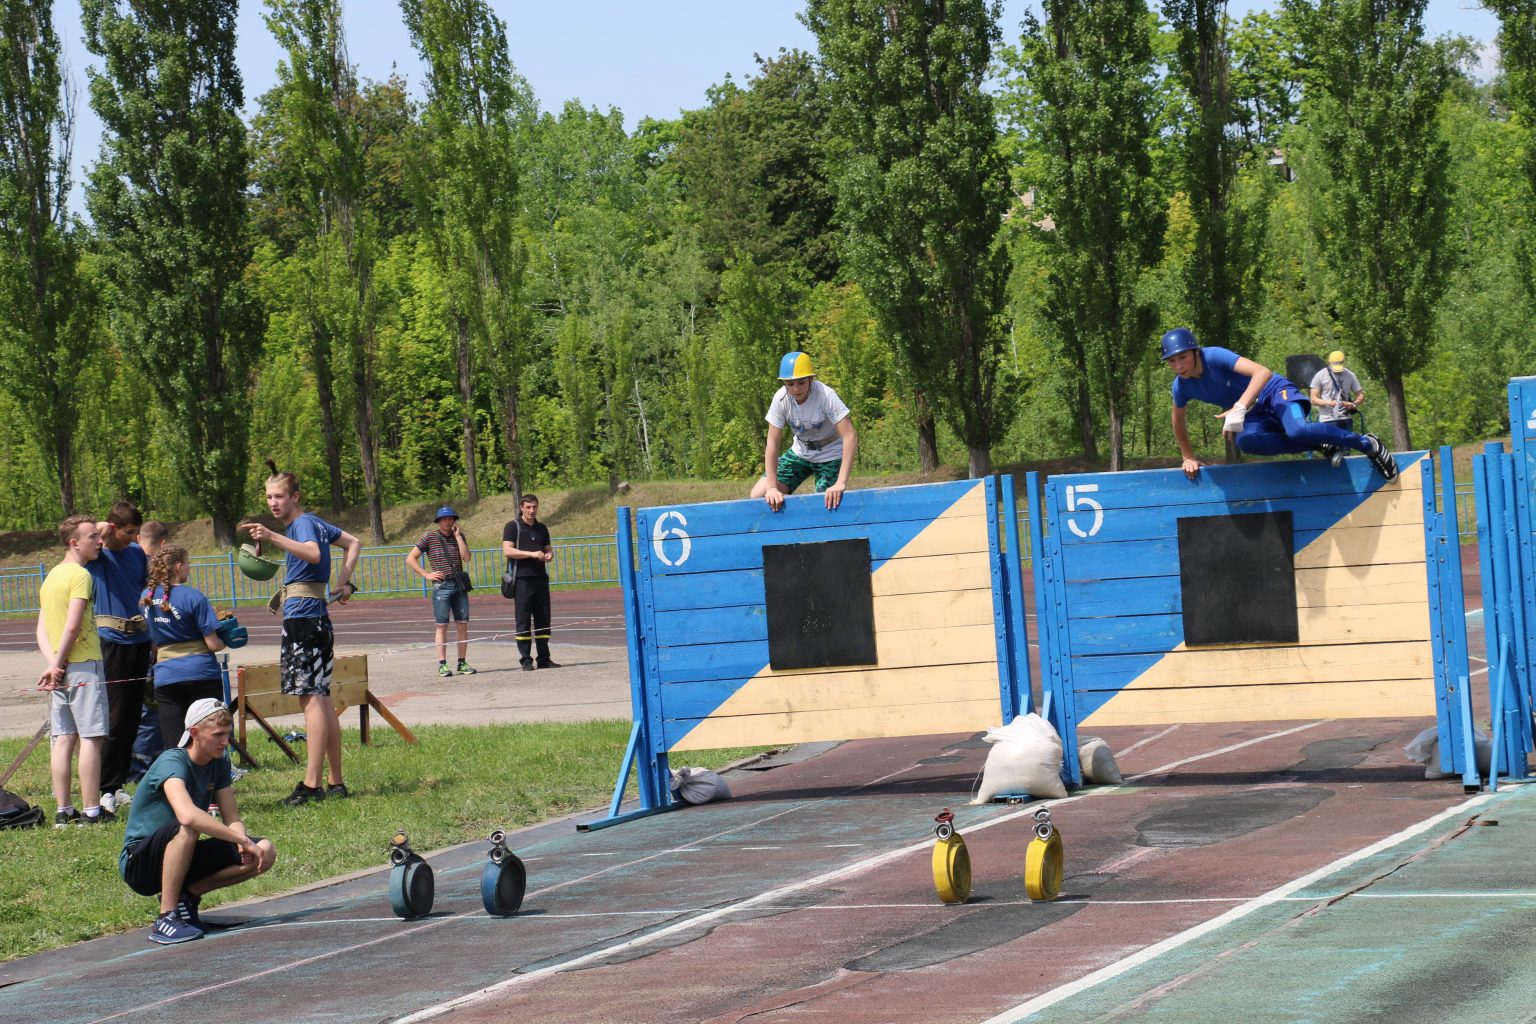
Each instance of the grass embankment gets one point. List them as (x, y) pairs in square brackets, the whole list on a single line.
[(61, 886)]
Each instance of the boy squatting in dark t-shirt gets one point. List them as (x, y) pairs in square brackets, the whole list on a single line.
[(164, 849)]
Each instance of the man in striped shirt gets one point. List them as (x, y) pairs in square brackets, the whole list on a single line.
[(446, 551)]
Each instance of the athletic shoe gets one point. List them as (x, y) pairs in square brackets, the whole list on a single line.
[(170, 929), (465, 669), (337, 790), (549, 664), (64, 819), (1381, 458), (186, 910), (122, 798), (106, 817), (443, 669), (303, 794), (527, 666), (1333, 453), (108, 803)]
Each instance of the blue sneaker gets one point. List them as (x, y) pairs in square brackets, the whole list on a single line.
[(186, 910), (170, 929)]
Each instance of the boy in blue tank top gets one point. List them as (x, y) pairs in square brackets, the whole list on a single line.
[(1266, 412), (307, 652)]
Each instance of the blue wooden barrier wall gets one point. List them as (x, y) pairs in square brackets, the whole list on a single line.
[(1376, 599), (948, 613), (1502, 485)]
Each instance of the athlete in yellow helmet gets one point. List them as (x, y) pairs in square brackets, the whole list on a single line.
[(824, 440)]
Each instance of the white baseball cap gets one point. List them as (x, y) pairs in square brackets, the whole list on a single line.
[(200, 710)]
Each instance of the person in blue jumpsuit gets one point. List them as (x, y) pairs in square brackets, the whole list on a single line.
[(1266, 412)]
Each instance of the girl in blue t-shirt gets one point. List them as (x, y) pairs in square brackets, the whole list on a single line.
[(1266, 412), (184, 628)]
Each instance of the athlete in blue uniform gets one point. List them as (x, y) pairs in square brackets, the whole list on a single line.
[(1267, 412)]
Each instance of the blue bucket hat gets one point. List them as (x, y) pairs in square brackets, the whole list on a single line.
[(446, 510)]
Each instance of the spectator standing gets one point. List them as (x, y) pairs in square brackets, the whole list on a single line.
[(447, 552), (66, 635), (1336, 393), (172, 846), (307, 653), (526, 545), (120, 573)]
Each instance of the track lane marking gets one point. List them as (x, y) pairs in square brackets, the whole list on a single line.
[(1281, 893)]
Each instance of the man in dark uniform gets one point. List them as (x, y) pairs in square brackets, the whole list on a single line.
[(525, 543)]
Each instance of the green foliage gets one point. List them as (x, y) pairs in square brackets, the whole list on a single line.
[(1090, 68), (47, 338), (1375, 170), (168, 201), (921, 189)]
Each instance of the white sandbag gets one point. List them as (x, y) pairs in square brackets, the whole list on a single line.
[(699, 785), (1424, 749), (1098, 761), (1025, 758)]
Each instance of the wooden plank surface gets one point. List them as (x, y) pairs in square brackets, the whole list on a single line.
[(1400, 698)]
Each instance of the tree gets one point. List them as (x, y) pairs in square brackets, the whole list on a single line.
[(46, 336), (922, 189), (320, 109), (168, 200), (1517, 58), (1222, 276), (1265, 81), (1374, 168), (476, 109), (1090, 67)]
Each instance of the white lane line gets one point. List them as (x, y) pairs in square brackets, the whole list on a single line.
[(839, 846), (1224, 750), (769, 898), (1276, 895), (1150, 739), (762, 847)]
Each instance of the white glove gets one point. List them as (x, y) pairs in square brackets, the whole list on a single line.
[(1233, 424)]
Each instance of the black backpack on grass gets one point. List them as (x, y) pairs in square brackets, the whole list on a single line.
[(16, 812)]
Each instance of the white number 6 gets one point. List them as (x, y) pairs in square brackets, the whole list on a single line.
[(660, 532), (1076, 501)]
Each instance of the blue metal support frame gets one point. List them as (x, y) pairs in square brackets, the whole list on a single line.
[(1001, 612), (1018, 635), (1447, 605), (654, 774), (1522, 421), (1064, 705)]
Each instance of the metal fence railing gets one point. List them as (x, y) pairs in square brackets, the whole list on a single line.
[(578, 561), (381, 571)]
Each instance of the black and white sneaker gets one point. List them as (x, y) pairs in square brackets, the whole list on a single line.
[(1333, 453), (169, 929), (186, 910), (1381, 458)]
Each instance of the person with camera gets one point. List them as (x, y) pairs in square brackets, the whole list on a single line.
[(1336, 393), (446, 551)]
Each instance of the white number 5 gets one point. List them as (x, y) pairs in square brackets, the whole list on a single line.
[(1076, 501)]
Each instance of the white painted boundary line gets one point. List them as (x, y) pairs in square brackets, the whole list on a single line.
[(856, 868), (1276, 895)]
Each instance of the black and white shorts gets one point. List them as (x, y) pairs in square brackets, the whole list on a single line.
[(307, 656)]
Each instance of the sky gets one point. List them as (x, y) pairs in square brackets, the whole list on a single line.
[(648, 59)]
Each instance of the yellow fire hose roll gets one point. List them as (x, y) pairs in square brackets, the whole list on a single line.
[(951, 861), (1043, 859)]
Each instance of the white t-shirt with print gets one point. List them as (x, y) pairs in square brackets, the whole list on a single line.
[(812, 422)]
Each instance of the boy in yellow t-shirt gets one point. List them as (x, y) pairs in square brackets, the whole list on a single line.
[(66, 635)]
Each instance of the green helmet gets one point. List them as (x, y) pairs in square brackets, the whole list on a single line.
[(256, 567)]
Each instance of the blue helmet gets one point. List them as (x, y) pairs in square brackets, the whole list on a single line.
[(1180, 339)]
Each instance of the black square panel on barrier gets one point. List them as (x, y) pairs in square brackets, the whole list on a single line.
[(1237, 576), (821, 604)]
